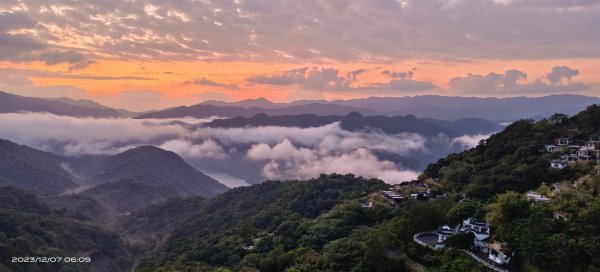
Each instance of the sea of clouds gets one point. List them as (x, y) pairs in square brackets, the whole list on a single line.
[(280, 152)]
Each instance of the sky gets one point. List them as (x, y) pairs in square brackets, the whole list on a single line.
[(143, 55)]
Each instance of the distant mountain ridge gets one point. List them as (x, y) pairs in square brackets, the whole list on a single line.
[(10, 103), (425, 106), (491, 108), (355, 121), (443, 107), (224, 110), (92, 104)]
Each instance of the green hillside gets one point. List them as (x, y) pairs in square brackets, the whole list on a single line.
[(24, 167), (28, 227), (321, 225)]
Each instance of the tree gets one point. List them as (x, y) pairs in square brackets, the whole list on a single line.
[(507, 207), (344, 254)]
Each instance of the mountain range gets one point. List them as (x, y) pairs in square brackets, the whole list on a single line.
[(355, 121), (426, 106)]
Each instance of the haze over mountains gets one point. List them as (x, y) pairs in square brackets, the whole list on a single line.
[(125, 181), (357, 122), (426, 106)]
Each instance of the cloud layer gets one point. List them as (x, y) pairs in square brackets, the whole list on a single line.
[(59, 31), (513, 82), (278, 152)]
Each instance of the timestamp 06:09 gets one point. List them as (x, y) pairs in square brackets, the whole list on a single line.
[(57, 259)]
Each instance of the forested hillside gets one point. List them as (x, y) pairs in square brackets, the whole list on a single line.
[(324, 225), (29, 228)]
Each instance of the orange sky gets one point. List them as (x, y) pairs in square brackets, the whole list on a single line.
[(169, 77)]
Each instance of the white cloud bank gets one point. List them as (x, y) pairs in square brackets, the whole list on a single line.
[(282, 152)]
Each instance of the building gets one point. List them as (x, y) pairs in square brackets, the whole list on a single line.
[(479, 229), (562, 141), (366, 204), (393, 197), (537, 197), (498, 253), (590, 151), (553, 148), (443, 233), (558, 164), (422, 194), (592, 144)]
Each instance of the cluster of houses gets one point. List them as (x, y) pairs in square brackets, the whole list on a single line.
[(495, 252), (414, 190), (572, 153)]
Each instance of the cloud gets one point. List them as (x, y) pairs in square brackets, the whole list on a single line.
[(402, 75), (22, 85), (331, 80), (203, 81), (514, 82), (314, 78), (282, 152), (354, 74), (15, 45), (50, 74), (560, 73), (360, 162), (207, 149), (20, 47), (469, 141), (314, 31), (400, 86)]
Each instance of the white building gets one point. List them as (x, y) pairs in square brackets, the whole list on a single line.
[(553, 148), (498, 254), (480, 230), (443, 233), (558, 164), (537, 197)]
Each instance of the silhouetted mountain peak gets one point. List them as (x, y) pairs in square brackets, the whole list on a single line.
[(354, 115), (157, 168)]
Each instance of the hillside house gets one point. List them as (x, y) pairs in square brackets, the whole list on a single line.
[(536, 197), (366, 204), (590, 151), (498, 253), (421, 194), (393, 197), (479, 229), (592, 144), (553, 148), (562, 141), (443, 232), (558, 164)]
